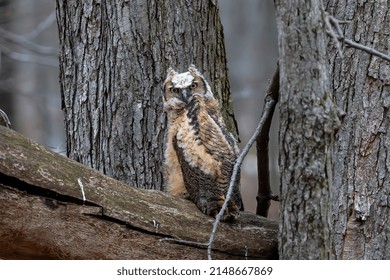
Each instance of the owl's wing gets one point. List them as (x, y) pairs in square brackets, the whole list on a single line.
[(207, 155)]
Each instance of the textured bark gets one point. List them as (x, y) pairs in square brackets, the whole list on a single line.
[(361, 181), (113, 61), (55, 208), (7, 68), (307, 122)]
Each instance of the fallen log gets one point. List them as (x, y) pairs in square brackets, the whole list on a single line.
[(55, 208)]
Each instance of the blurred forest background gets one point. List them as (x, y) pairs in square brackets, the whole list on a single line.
[(30, 93)]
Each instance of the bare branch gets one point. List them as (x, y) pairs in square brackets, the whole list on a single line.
[(335, 37), (366, 49), (4, 120), (12, 43), (185, 242), (333, 23), (45, 24), (236, 169), (264, 194), (26, 43), (23, 57)]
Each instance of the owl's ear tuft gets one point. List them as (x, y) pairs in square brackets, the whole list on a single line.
[(170, 73), (193, 71)]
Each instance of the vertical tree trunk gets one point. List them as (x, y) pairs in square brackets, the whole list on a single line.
[(361, 204), (307, 122), (7, 69), (113, 61)]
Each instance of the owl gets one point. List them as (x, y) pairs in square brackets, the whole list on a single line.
[(200, 153)]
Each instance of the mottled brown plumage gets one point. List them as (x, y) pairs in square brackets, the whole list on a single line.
[(200, 152)]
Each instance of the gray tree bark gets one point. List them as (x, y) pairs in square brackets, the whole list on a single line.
[(308, 118), (7, 69), (361, 181), (113, 61)]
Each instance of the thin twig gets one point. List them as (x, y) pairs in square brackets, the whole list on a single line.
[(4, 120), (366, 49), (81, 188), (42, 26), (23, 42), (236, 169), (330, 31), (23, 57), (186, 242), (333, 23), (12, 43), (336, 23)]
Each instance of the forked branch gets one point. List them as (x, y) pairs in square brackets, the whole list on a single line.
[(261, 128), (333, 29)]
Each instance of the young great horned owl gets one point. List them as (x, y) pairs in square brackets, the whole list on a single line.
[(200, 153)]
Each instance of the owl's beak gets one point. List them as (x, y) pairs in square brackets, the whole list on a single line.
[(184, 95)]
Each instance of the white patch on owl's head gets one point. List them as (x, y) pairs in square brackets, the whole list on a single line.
[(182, 80)]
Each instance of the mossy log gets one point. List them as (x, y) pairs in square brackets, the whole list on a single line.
[(55, 208)]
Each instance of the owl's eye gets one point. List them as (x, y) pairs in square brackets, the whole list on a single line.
[(174, 90), (193, 86)]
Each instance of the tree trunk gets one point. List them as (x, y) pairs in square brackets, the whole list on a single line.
[(7, 70), (361, 165), (113, 61), (307, 122)]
